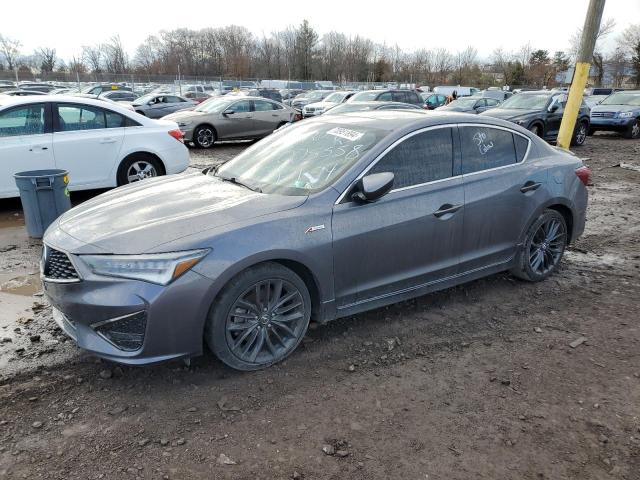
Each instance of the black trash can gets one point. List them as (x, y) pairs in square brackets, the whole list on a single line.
[(44, 196)]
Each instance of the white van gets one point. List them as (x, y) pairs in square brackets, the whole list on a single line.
[(461, 91)]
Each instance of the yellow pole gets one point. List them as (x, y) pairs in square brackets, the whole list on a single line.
[(581, 72)]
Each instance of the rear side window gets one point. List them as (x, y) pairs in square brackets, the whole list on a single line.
[(25, 120), (80, 117), (385, 97), (421, 158), (262, 106), (114, 120), (485, 147), (521, 144)]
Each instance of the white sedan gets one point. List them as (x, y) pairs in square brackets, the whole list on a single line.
[(101, 144)]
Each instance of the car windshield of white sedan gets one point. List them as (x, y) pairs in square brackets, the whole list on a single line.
[(336, 97), (302, 159), (526, 102), (364, 96), (215, 105), (622, 98)]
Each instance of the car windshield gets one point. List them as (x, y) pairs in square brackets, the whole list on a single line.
[(364, 96), (622, 98), (215, 105), (526, 101), (350, 107), (302, 159), (317, 95), (464, 102), (336, 97)]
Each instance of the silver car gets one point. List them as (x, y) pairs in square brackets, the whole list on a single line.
[(232, 118), (160, 105), (324, 219)]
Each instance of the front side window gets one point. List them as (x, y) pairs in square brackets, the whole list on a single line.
[(25, 120), (421, 158), (485, 147), (241, 107), (80, 117), (385, 97)]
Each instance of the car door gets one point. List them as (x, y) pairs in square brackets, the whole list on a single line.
[(502, 190), (265, 118), (411, 236), (237, 121), (87, 142), (554, 115), (25, 143), (157, 108), (173, 103)]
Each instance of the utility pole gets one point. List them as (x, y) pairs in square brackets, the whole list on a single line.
[(581, 72)]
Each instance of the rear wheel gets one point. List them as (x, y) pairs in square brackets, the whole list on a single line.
[(543, 247), (633, 130), (204, 136), (580, 134), (139, 166), (259, 318)]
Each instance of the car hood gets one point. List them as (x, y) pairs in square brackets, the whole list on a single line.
[(320, 105), (140, 217), (184, 115), (614, 108), (509, 114)]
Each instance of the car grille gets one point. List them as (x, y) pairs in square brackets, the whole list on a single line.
[(58, 267), (125, 333), (603, 114)]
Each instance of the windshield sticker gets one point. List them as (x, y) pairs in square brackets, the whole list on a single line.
[(483, 146), (345, 133)]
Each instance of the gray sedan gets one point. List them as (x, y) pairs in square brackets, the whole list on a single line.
[(157, 106), (325, 219), (470, 105), (232, 118)]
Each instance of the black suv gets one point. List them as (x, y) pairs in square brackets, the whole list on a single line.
[(541, 112), (270, 93), (404, 96)]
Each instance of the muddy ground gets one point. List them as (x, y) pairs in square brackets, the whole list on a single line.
[(479, 381)]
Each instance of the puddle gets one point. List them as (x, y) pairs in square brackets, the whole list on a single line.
[(25, 285)]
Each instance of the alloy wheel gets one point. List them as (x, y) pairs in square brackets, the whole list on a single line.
[(140, 170), (266, 321), (581, 136), (635, 130), (547, 246), (205, 137)]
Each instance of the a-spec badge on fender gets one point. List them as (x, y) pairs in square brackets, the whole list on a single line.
[(315, 228)]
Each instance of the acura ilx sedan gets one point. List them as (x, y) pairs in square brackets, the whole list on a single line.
[(325, 219)]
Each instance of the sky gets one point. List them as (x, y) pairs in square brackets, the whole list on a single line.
[(484, 25)]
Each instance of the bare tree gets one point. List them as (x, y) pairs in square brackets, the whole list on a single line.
[(10, 50), (48, 59), (93, 57), (115, 58)]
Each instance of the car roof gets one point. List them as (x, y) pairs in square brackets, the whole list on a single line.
[(14, 101), (392, 120)]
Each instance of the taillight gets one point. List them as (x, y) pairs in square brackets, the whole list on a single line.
[(584, 174), (177, 134)]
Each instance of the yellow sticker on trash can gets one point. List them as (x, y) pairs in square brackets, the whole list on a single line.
[(65, 179), (66, 192)]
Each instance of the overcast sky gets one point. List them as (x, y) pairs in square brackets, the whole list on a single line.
[(485, 25)]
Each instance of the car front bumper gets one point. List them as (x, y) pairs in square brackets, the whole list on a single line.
[(612, 124), (131, 321)]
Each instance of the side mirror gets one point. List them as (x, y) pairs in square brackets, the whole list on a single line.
[(229, 112), (554, 107), (372, 187)]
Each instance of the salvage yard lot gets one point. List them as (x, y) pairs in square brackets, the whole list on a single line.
[(479, 381)]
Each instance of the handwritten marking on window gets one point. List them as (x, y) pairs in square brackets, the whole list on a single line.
[(481, 140)]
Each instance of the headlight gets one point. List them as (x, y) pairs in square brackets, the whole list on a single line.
[(625, 114), (184, 123), (160, 268)]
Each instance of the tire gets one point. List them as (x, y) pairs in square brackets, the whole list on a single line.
[(580, 134), (204, 136), (534, 263), (246, 337), (142, 165), (536, 130), (633, 130), (591, 132)]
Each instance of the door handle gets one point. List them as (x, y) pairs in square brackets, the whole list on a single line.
[(108, 140), (446, 208), (530, 186), (38, 147)]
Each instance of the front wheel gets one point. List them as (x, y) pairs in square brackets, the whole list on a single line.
[(543, 247), (633, 130), (204, 136), (536, 130), (259, 318)]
